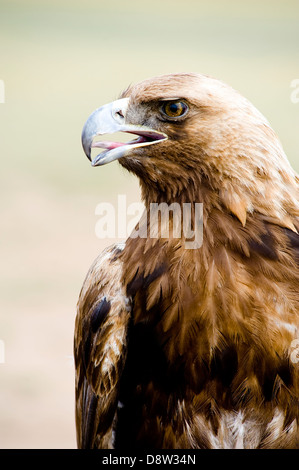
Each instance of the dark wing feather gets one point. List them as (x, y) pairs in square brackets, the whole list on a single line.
[(293, 241), (100, 350)]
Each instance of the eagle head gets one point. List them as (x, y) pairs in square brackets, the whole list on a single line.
[(194, 131)]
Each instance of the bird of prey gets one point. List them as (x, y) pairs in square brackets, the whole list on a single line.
[(180, 347)]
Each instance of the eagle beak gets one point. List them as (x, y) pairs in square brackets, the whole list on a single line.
[(109, 119)]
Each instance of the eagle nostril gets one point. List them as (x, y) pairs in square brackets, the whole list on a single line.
[(120, 113)]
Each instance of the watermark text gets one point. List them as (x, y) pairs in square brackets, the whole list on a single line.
[(295, 92), (160, 220), (2, 351), (295, 351), (2, 91)]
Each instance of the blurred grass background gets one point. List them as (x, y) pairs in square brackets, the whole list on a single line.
[(60, 60)]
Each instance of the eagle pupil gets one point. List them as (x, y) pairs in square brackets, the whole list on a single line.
[(174, 108)]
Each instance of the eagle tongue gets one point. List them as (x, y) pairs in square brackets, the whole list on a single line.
[(113, 145), (108, 145)]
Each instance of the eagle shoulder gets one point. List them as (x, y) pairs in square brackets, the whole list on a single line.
[(100, 344)]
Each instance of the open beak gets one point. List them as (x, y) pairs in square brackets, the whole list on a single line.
[(109, 119)]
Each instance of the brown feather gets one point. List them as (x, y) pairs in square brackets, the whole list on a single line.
[(203, 359)]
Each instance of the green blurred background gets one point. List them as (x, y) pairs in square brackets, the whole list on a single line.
[(59, 60)]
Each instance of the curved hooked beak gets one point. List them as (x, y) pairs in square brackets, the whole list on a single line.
[(109, 119)]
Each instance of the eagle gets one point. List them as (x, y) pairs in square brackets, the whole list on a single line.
[(184, 345)]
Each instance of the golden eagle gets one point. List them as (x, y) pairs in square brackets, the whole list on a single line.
[(179, 348)]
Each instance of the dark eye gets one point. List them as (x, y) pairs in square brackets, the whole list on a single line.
[(174, 109)]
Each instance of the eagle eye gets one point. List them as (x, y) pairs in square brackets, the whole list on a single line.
[(174, 109)]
